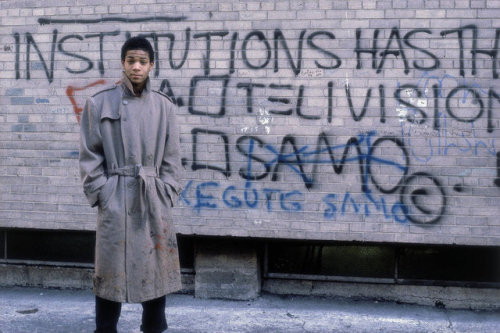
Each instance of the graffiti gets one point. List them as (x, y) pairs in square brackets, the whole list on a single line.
[(419, 116), (441, 144), (469, 94), (446, 80), (427, 197), (197, 132), (359, 117), (44, 21), (387, 51), (434, 59), (493, 53), (383, 171), (416, 115), (192, 95), (367, 155), (362, 205), (234, 198), (31, 42), (206, 195), (70, 90), (280, 43)]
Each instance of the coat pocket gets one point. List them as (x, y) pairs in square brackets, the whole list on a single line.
[(163, 193), (107, 191)]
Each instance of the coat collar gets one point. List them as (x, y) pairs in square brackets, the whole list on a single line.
[(128, 89)]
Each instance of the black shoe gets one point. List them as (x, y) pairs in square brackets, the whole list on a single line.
[(154, 330)]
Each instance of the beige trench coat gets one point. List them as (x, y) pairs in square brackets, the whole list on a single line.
[(130, 168)]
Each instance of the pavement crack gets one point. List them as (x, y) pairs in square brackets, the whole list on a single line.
[(304, 326), (450, 323)]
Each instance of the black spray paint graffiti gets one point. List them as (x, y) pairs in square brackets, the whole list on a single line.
[(493, 53), (424, 198), (417, 116), (395, 37), (395, 46)]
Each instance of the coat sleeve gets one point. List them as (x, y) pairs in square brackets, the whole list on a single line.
[(91, 158), (171, 169)]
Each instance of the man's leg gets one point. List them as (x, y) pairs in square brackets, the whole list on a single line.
[(107, 314), (153, 316)]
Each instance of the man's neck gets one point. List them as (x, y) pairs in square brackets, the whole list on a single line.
[(137, 90)]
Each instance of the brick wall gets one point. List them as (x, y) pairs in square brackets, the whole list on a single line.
[(335, 120)]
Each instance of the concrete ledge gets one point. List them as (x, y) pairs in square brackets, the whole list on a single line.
[(220, 282), (15, 275), (45, 276), (448, 297)]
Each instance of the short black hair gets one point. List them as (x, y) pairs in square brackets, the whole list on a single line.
[(138, 43)]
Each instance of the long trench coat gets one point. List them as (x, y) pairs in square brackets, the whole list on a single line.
[(130, 168)]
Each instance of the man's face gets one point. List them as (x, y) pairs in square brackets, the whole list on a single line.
[(137, 66)]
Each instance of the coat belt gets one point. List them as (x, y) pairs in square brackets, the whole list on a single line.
[(143, 205), (136, 170)]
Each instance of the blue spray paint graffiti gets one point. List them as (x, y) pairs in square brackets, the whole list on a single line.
[(210, 195), (232, 197)]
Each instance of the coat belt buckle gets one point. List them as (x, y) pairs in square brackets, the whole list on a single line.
[(137, 169)]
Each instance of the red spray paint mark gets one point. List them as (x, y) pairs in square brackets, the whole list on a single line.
[(70, 93)]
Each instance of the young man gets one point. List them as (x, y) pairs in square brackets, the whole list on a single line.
[(130, 168)]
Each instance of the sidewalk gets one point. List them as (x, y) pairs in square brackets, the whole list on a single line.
[(32, 310)]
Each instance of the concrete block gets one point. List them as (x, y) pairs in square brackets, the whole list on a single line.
[(227, 269)]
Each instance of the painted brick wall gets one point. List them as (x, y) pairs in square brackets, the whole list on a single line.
[(336, 120)]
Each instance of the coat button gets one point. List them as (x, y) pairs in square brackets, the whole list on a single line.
[(125, 102)]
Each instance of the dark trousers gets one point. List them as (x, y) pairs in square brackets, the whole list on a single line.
[(107, 314)]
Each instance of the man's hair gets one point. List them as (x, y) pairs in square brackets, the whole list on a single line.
[(138, 43)]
